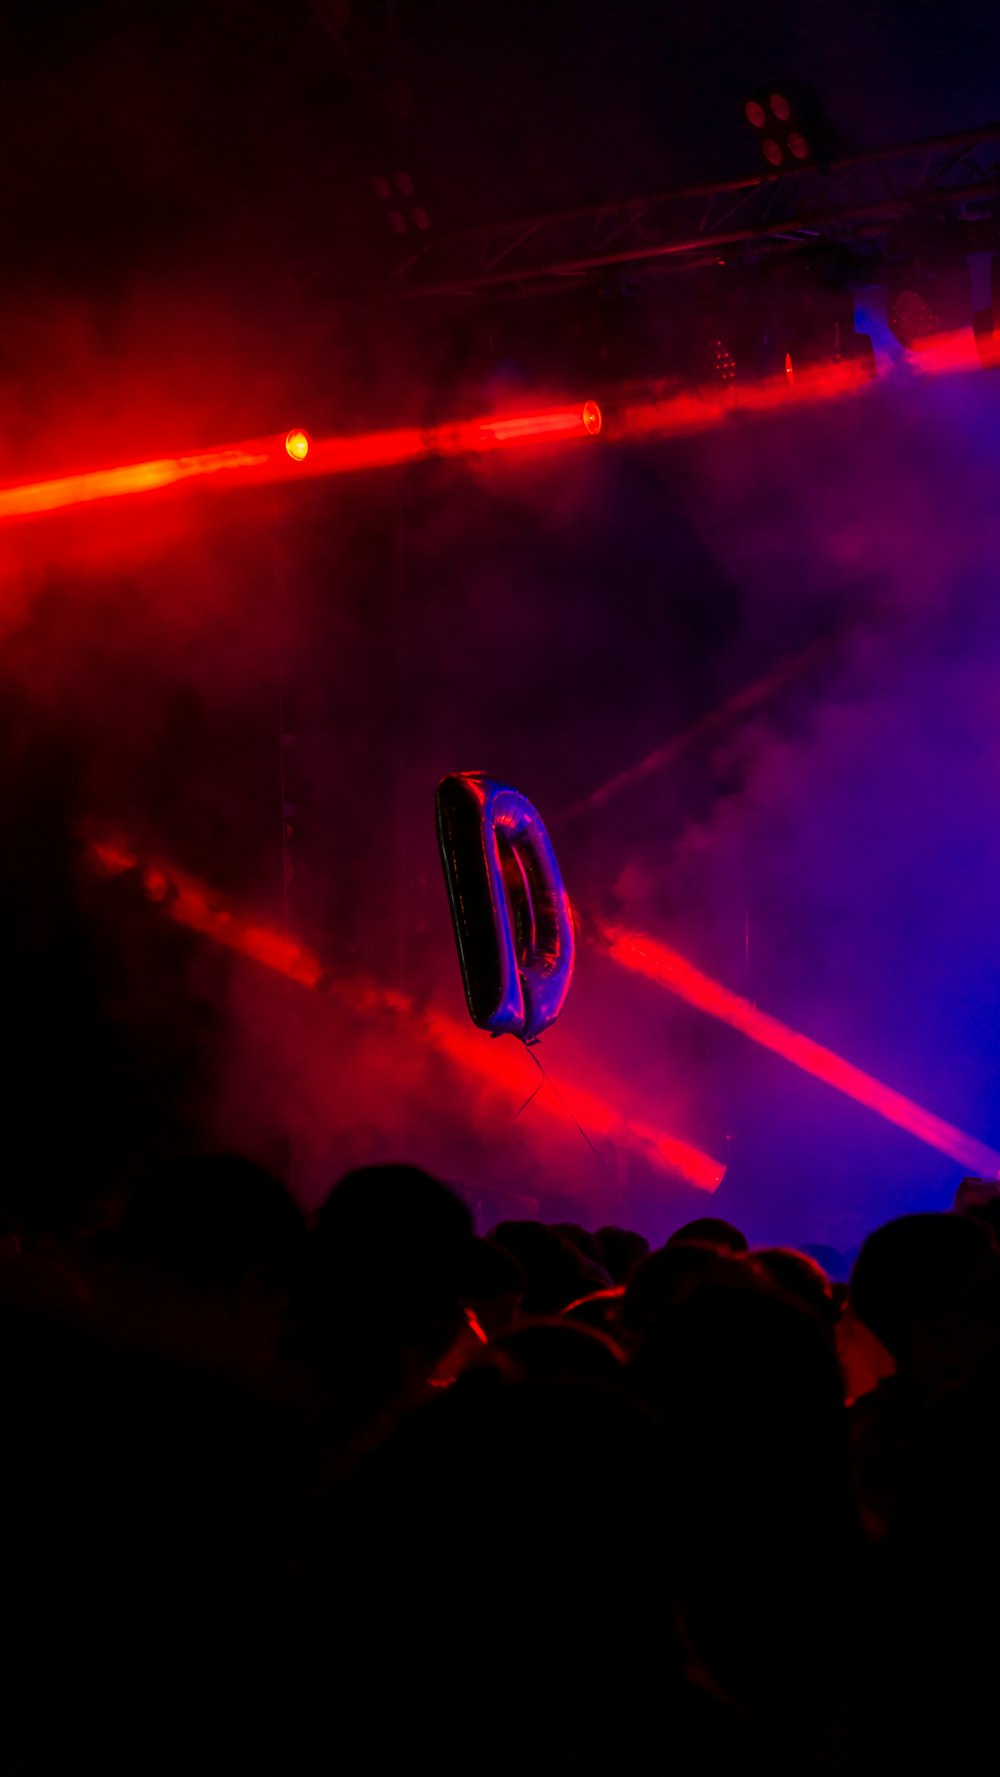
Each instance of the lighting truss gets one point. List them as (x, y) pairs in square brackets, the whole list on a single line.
[(851, 202)]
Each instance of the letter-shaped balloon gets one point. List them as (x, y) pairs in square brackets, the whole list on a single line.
[(511, 913)]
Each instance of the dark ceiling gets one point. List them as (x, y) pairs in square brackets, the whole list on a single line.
[(226, 139)]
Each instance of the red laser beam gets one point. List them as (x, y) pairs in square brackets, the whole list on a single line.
[(34, 497), (191, 904), (646, 956), (293, 455), (590, 1109), (677, 412), (501, 1065)]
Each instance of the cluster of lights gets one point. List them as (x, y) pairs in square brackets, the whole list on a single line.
[(780, 134), (722, 361), (397, 191)]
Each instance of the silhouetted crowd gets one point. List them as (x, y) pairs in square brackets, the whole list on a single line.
[(362, 1492)]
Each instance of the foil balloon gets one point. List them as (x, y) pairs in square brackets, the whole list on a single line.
[(511, 913)]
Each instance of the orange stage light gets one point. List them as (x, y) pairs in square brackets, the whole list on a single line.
[(646, 956), (297, 446)]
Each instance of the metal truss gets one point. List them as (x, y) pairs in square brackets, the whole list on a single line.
[(850, 202)]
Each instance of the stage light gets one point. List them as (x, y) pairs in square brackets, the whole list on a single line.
[(560, 422), (722, 364), (807, 316), (297, 446), (646, 956), (786, 122), (397, 194)]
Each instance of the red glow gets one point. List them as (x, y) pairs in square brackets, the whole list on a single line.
[(646, 956), (191, 904), (696, 411), (504, 1062), (134, 478), (504, 1066), (295, 453), (561, 422), (110, 857), (942, 354)]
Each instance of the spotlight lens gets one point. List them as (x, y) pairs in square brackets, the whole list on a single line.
[(297, 446), (780, 107), (798, 145), (593, 419), (772, 152), (755, 114)]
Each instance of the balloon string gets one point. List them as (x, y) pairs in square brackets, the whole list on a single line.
[(530, 1099), (549, 1081)]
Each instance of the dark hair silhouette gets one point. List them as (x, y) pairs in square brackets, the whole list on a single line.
[(713, 1232), (621, 1251), (210, 1221), (920, 1273), (555, 1272)]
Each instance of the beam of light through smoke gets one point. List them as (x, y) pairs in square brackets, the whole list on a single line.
[(191, 904), (501, 1065), (269, 459), (678, 411), (647, 956), (35, 497), (742, 703)]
